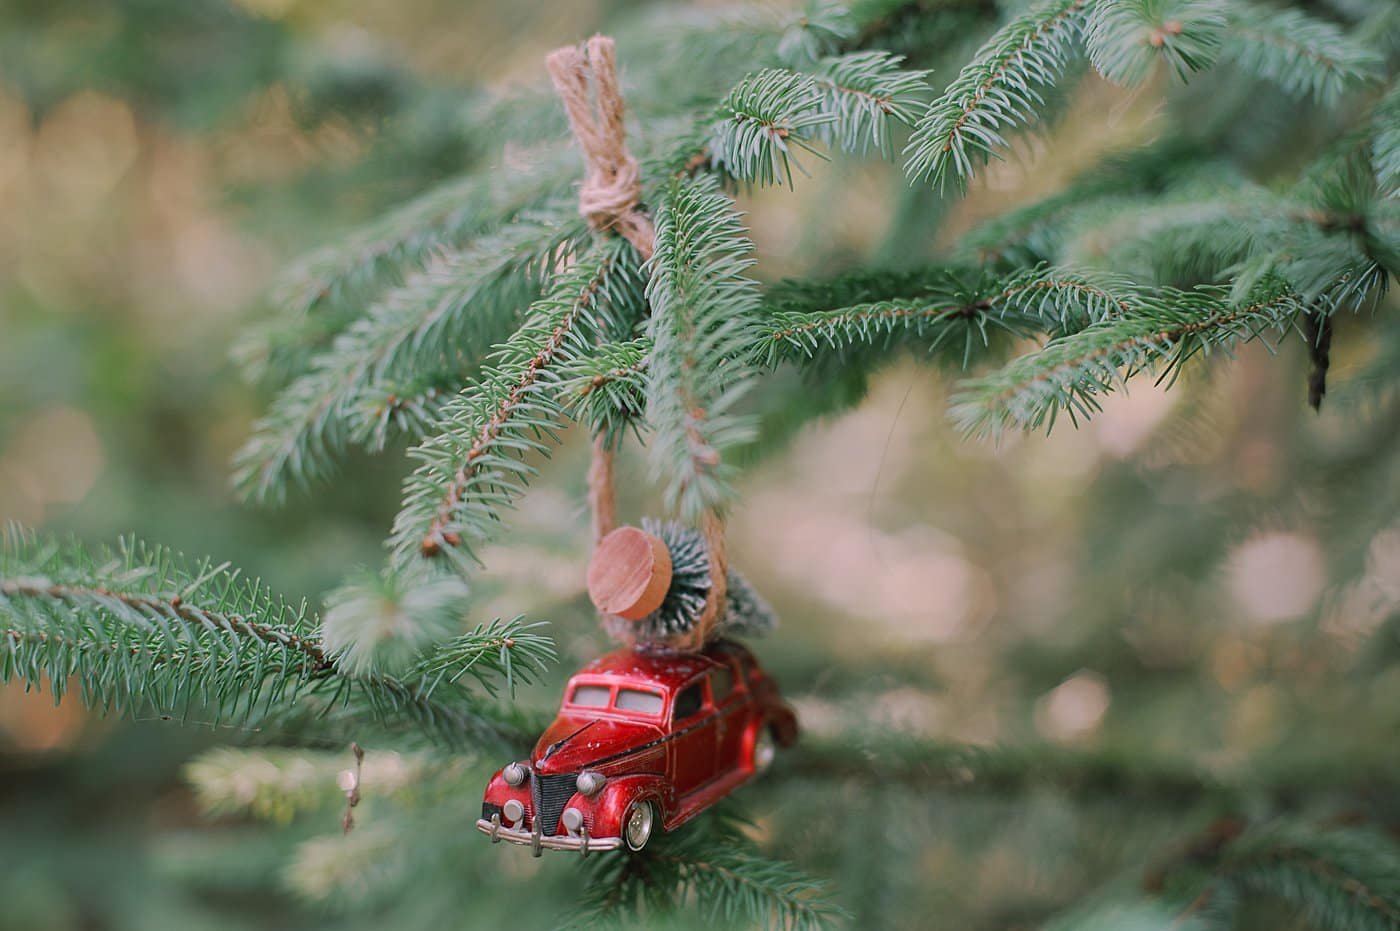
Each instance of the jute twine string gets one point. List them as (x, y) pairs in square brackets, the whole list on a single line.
[(612, 183), (609, 197)]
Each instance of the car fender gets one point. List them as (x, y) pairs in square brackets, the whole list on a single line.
[(498, 792), (603, 814), (779, 718)]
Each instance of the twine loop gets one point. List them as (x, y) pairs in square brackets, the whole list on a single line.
[(612, 185)]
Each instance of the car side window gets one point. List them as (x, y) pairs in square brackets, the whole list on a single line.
[(721, 683), (688, 702)]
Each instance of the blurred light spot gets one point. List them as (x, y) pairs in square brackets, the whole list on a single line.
[(1277, 576), (1129, 417), (907, 710), (1384, 557), (85, 146), (57, 456), (1073, 709), (14, 131), (269, 9), (1255, 717), (32, 721), (1234, 662)]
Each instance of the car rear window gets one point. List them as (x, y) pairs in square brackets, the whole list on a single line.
[(721, 682), (591, 696), (638, 700)]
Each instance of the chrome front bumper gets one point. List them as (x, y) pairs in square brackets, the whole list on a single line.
[(582, 843)]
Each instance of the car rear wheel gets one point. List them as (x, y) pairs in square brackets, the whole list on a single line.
[(764, 749), (638, 824)]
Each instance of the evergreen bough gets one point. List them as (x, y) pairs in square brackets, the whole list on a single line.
[(484, 317)]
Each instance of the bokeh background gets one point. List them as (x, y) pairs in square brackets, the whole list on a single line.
[(1208, 577)]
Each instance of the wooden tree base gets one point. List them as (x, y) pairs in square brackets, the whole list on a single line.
[(629, 574)]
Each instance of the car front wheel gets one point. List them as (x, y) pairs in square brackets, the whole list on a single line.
[(638, 825)]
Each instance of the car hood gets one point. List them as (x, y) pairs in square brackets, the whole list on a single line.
[(575, 742)]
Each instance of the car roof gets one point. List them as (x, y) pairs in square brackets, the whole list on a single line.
[(669, 671)]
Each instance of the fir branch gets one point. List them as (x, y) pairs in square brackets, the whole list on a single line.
[(385, 411), (700, 329), (321, 294), (1040, 231), (862, 93), (965, 308), (1071, 372), (279, 784), (1126, 38), (605, 389), (712, 866), (1304, 56), (141, 630), (1339, 878), (450, 313), (762, 120), (1385, 151), (1001, 87), (475, 464)]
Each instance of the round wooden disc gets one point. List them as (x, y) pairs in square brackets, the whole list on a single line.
[(629, 574)]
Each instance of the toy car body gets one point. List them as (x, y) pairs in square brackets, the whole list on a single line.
[(641, 741)]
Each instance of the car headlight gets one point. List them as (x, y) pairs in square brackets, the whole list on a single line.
[(573, 820), (514, 774), (591, 783), (513, 811)]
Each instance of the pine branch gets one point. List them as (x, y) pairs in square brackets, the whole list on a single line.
[(475, 464), (447, 315), (1126, 38), (1348, 879), (1385, 153), (139, 630), (605, 389), (1001, 87), (700, 329), (1305, 57), (863, 92), (405, 409), (321, 294), (711, 866), (1071, 372), (279, 784), (765, 117), (961, 313), (1038, 232)]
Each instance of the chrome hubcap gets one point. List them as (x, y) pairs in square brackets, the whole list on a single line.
[(639, 825)]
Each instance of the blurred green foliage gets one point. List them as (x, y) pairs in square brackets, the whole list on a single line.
[(1189, 609)]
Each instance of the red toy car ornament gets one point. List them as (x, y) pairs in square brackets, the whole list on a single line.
[(641, 741)]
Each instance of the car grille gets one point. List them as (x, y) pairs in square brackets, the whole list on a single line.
[(550, 794)]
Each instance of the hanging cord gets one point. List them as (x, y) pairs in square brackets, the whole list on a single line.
[(612, 184), (609, 198)]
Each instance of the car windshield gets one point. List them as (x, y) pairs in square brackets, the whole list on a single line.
[(629, 700), (590, 696), (639, 701)]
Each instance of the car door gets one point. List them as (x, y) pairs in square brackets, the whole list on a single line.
[(729, 696), (693, 737)]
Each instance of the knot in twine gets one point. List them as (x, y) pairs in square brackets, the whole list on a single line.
[(612, 183), (608, 197)]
